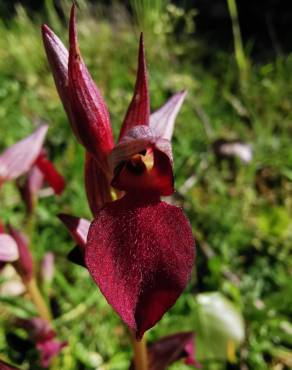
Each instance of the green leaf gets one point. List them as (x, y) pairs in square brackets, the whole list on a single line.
[(219, 329)]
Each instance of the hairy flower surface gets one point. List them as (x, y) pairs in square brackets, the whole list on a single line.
[(139, 250)]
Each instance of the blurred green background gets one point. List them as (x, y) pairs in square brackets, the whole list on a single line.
[(239, 301)]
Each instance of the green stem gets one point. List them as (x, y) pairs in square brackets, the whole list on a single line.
[(37, 298), (241, 60), (139, 352)]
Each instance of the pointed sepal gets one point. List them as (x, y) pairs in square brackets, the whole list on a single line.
[(8, 248), (88, 107), (163, 120), (78, 229), (58, 56), (24, 264), (50, 173), (20, 157), (139, 109), (97, 184)]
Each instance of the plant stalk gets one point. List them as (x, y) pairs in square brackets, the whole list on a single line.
[(38, 300), (139, 352), (241, 59)]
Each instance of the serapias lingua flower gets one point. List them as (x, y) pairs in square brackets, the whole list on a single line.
[(44, 339), (139, 250), (28, 156)]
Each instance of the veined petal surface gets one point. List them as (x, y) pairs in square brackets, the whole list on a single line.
[(87, 105), (163, 119), (19, 158), (139, 109), (51, 175), (8, 248), (97, 185)]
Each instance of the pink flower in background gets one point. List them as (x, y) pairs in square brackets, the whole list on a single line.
[(44, 337), (28, 157), (139, 250)]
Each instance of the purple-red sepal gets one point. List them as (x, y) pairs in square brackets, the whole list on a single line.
[(44, 338), (20, 157), (24, 264), (163, 119), (139, 109), (87, 105), (97, 184), (78, 229), (140, 253)]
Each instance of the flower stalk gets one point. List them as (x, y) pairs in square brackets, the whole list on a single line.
[(240, 56), (37, 299), (139, 352)]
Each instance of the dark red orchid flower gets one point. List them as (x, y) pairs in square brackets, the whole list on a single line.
[(170, 349), (28, 157), (44, 337), (139, 250), (24, 263), (14, 248), (8, 247)]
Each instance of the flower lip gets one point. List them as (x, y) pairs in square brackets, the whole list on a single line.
[(140, 253), (142, 160), (138, 112)]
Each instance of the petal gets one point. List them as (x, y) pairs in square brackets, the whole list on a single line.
[(97, 185), (163, 119), (170, 349), (231, 149), (77, 227), (140, 253), (31, 187), (139, 109), (51, 175), (8, 248), (24, 265), (20, 157), (48, 267), (2, 228), (48, 350), (154, 175), (88, 107), (58, 57), (76, 255), (37, 328)]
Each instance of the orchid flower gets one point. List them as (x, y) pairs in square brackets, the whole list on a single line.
[(44, 337), (28, 157), (138, 249)]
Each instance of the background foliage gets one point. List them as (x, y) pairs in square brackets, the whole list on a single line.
[(241, 219)]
